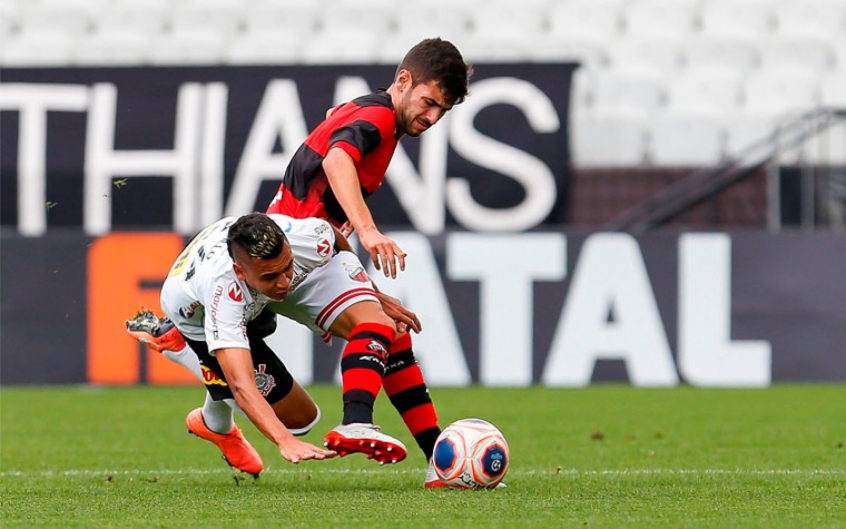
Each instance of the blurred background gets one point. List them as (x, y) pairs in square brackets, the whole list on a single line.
[(653, 120)]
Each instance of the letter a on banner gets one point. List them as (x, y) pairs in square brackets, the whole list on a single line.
[(610, 277)]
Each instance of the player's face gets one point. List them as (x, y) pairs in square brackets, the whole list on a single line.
[(271, 277), (421, 107)]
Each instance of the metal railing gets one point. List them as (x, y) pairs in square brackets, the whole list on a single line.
[(789, 136)]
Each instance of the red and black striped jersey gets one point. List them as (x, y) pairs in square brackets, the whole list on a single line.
[(366, 129)]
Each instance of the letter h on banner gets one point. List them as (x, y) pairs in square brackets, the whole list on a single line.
[(184, 163)]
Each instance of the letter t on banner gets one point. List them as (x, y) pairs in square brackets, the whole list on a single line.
[(506, 266)]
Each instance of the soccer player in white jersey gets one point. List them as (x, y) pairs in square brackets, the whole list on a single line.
[(215, 296)]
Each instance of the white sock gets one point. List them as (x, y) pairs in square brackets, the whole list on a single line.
[(186, 358), (218, 415)]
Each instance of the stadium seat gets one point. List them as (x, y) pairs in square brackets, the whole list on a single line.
[(221, 18), (590, 53), (660, 19), (747, 19), (295, 20), (477, 48), (499, 21), (188, 48), (637, 89), (112, 48), (806, 52), (679, 140), (714, 91), (593, 19), (264, 47), (37, 47), (662, 56), (135, 18), (71, 19), (745, 130), (816, 19), (777, 92), (734, 53), (345, 16), (609, 139), (341, 47)]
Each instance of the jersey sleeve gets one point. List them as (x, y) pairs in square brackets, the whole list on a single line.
[(225, 308), (360, 132)]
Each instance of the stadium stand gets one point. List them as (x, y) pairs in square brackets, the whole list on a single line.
[(657, 76)]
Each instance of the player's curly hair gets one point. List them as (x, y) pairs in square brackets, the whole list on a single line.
[(257, 235), (439, 60)]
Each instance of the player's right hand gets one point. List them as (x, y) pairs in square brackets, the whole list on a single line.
[(295, 451), (384, 252)]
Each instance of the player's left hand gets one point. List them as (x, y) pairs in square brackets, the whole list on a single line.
[(384, 252), (404, 318)]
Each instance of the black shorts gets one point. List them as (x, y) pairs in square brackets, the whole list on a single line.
[(273, 380)]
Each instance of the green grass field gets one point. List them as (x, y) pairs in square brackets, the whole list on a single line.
[(603, 456)]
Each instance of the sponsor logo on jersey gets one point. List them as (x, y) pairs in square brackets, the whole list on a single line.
[(189, 310), (323, 248), (356, 273), (235, 293), (264, 381), (320, 228), (210, 378)]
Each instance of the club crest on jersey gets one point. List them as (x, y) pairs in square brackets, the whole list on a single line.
[(323, 248), (356, 273), (264, 381), (235, 293)]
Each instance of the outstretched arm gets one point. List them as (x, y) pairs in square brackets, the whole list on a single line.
[(237, 366), (343, 178)]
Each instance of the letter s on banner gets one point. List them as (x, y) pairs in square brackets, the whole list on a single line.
[(534, 175)]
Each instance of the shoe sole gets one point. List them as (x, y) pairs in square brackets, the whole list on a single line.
[(382, 451)]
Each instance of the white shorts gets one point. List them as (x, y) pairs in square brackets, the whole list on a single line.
[(326, 292)]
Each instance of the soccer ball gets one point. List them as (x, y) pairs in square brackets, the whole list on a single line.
[(471, 454)]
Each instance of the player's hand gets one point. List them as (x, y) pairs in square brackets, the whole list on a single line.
[(295, 451), (404, 318), (383, 251), (347, 229)]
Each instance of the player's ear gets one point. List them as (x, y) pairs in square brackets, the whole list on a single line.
[(403, 80), (239, 271)]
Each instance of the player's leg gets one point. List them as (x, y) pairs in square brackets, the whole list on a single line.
[(369, 333), (338, 297), (406, 388), (290, 401), (160, 334)]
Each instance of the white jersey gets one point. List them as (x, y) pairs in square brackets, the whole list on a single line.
[(206, 300)]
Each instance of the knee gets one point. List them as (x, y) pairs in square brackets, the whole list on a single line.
[(304, 423)]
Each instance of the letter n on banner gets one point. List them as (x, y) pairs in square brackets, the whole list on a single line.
[(119, 265)]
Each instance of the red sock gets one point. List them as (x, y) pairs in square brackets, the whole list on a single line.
[(362, 369), (407, 390)]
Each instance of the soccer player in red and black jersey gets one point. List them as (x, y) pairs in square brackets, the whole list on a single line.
[(340, 164), (344, 159)]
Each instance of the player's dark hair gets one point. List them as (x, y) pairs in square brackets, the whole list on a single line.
[(438, 60), (257, 235)]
